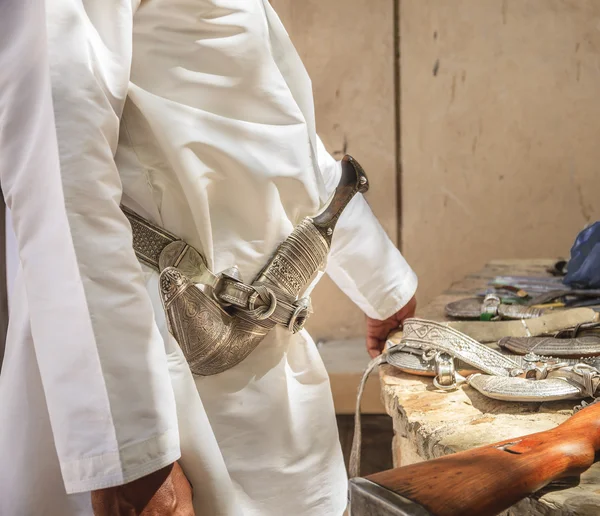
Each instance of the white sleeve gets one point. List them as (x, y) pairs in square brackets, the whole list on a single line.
[(100, 355), (363, 262)]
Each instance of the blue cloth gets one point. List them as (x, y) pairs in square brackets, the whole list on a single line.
[(583, 269)]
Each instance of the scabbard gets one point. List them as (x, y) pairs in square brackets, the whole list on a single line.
[(549, 346), (570, 293), (543, 325), (523, 390), (473, 308)]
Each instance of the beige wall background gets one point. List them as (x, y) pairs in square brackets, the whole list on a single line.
[(500, 126), (499, 117)]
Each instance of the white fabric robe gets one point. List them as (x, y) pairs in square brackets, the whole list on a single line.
[(199, 115)]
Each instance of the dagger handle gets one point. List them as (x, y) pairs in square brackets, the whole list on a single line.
[(352, 181), (304, 251)]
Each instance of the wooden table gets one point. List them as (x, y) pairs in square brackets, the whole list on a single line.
[(429, 424)]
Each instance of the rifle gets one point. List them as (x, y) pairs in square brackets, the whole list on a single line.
[(484, 481)]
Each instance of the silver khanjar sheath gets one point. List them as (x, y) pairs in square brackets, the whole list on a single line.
[(474, 308), (219, 322), (586, 346)]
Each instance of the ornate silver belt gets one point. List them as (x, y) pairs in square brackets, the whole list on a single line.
[(217, 319)]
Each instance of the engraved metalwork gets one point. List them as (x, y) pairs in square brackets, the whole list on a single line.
[(148, 239), (211, 339), (571, 348), (188, 260), (520, 389), (528, 378), (446, 377), (218, 325), (432, 335), (519, 312), (419, 362), (296, 260), (473, 308)]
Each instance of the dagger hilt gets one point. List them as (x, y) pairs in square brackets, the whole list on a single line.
[(352, 181), (304, 251)]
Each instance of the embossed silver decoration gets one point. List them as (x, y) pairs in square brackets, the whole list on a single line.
[(585, 346), (296, 260), (519, 312), (217, 331), (221, 322), (571, 382), (149, 240), (426, 335), (446, 377), (211, 339), (553, 379), (520, 389), (473, 308)]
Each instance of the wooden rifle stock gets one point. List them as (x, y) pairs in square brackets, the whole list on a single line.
[(487, 480)]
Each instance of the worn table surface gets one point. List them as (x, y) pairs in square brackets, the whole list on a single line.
[(429, 424)]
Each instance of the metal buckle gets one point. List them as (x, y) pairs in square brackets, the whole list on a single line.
[(232, 273), (489, 307), (539, 367), (300, 315), (589, 378), (446, 379), (262, 312)]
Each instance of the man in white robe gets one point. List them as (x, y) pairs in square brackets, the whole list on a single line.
[(198, 115)]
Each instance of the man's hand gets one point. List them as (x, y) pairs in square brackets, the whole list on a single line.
[(165, 492), (378, 331)]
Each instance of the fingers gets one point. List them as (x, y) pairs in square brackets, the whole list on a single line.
[(173, 498), (166, 492), (184, 492), (408, 310), (133, 497), (374, 346)]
